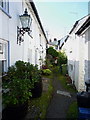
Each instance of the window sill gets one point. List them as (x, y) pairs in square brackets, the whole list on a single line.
[(3, 10)]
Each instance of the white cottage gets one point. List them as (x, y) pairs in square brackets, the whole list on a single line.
[(33, 47), (76, 47)]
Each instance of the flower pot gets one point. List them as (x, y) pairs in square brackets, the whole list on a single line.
[(37, 90), (15, 112)]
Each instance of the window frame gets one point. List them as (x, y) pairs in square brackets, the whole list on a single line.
[(5, 9), (1, 50)]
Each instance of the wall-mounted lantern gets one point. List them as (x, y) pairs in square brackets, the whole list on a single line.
[(26, 21)]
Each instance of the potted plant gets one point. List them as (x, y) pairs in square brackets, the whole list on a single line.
[(22, 82), (16, 93), (34, 75), (15, 99), (37, 80)]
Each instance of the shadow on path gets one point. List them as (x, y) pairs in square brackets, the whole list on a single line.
[(60, 103)]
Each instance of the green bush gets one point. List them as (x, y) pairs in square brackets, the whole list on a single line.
[(46, 72), (21, 78), (72, 113), (51, 51), (17, 91), (62, 58), (64, 69), (52, 55)]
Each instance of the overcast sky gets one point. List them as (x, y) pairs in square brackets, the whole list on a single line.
[(59, 17)]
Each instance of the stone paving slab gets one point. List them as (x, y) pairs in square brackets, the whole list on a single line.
[(45, 83), (63, 93)]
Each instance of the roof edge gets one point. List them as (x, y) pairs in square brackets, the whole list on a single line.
[(77, 23), (84, 26), (38, 18)]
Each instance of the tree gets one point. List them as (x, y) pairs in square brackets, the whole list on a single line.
[(51, 51), (62, 58)]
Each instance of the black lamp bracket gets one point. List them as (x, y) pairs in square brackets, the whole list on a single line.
[(20, 34)]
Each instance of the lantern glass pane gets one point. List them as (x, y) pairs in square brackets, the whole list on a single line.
[(25, 21)]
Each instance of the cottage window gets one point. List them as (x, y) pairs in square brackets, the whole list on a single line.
[(1, 48), (4, 66), (71, 67), (4, 5), (4, 56), (30, 33)]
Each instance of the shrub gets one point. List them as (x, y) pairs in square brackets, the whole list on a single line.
[(62, 58), (36, 74), (51, 51), (52, 55), (21, 78), (46, 72), (17, 91), (44, 67)]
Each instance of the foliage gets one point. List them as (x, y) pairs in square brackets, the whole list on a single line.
[(18, 91), (55, 69), (63, 80), (63, 69), (72, 111), (51, 51), (20, 79), (41, 104), (55, 58), (48, 64), (46, 71), (44, 67), (36, 74), (62, 58), (24, 70), (52, 55)]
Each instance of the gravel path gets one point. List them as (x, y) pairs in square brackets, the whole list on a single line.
[(59, 104)]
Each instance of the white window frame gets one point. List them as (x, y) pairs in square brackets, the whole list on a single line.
[(4, 4), (30, 33), (1, 48), (71, 67), (4, 55)]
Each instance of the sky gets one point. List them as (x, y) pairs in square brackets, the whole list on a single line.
[(58, 18)]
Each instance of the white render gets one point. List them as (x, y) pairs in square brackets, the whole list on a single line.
[(33, 49), (77, 48)]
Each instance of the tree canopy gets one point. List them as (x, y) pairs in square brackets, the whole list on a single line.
[(51, 51), (62, 58)]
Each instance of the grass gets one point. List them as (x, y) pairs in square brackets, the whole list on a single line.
[(64, 69), (72, 113), (63, 78), (42, 102), (69, 88)]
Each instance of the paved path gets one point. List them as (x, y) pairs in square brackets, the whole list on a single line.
[(59, 104)]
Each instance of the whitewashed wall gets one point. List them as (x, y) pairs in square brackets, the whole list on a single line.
[(76, 49), (29, 50)]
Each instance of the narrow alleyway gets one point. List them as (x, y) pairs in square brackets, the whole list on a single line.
[(59, 104)]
